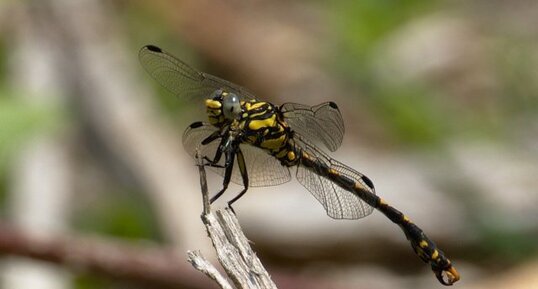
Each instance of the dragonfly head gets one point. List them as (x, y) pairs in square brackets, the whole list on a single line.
[(223, 106)]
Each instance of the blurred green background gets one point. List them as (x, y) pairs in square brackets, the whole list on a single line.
[(439, 98)]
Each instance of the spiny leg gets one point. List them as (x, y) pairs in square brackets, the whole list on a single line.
[(229, 165), (218, 152), (244, 176), (211, 137)]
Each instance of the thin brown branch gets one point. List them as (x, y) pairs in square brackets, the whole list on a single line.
[(135, 263)]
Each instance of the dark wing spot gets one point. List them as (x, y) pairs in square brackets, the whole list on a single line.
[(333, 105), (368, 182), (154, 48), (196, 124)]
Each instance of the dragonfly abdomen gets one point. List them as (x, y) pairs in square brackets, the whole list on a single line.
[(363, 188)]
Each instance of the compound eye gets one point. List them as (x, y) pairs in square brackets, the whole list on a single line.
[(231, 107)]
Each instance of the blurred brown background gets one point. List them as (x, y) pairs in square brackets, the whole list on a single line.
[(439, 98)]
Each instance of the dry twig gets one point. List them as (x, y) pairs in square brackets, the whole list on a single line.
[(233, 250)]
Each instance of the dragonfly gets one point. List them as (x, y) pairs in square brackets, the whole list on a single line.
[(255, 143)]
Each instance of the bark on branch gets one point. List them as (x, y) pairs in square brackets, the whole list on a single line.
[(233, 250)]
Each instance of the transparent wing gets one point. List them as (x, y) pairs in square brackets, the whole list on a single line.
[(338, 202), (320, 124), (193, 137), (263, 169), (181, 79)]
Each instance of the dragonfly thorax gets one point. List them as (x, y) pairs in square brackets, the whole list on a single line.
[(254, 122), (263, 126)]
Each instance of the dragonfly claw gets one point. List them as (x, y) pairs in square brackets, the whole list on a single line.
[(231, 208), (447, 276)]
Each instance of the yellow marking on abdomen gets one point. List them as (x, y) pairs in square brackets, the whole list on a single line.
[(334, 172), (281, 153), (423, 244), (359, 187), (291, 155), (435, 254)]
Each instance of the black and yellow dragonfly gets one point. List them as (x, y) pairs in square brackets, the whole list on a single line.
[(255, 143)]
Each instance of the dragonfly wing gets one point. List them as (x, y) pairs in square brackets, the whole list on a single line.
[(193, 137), (183, 80), (338, 202), (321, 123), (263, 169)]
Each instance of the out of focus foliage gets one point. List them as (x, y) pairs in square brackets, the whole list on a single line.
[(416, 111), (121, 212), (19, 124), (407, 110)]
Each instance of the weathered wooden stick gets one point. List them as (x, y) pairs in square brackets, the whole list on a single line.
[(201, 264), (233, 250)]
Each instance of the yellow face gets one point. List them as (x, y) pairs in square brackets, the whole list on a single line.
[(214, 111)]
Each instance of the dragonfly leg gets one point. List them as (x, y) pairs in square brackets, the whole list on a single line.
[(218, 154), (211, 137), (211, 163), (244, 176), (229, 165)]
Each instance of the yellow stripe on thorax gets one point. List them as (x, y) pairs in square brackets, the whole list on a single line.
[(255, 105), (257, 114), (257, 124)]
